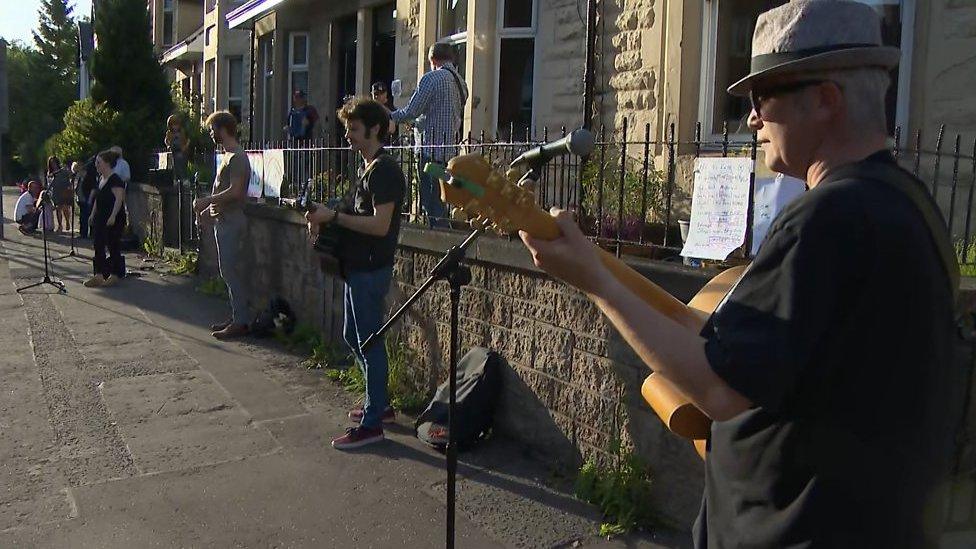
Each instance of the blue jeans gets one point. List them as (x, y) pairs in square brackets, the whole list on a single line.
[(430, 197), (364, 298)]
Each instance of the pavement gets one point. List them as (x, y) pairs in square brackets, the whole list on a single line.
[(124, 424)]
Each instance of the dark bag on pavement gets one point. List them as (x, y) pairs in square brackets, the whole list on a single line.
[(277, 315), (479, 383)]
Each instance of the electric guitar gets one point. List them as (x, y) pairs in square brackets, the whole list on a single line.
[(496, 201)]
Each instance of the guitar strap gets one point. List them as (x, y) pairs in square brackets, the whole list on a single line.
[(910, 186)]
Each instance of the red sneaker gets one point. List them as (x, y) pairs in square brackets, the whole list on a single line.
[(389, 415), (357, 437)]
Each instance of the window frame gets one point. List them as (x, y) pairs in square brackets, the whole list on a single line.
[(454, 40), (266, 51), (170, 40), (230, 85), (296, 68), (516, 33), (210, 78), (706, 99)]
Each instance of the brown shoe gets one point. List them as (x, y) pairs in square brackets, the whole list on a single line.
[(232, 331), (221, 325)]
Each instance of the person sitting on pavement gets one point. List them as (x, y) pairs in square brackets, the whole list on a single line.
[(107, 221), (28, 208)]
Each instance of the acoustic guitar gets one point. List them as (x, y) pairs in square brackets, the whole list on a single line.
[(495, 201)]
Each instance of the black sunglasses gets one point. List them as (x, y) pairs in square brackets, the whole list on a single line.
[(759, 95)]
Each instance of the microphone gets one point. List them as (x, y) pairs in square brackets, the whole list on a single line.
[(580, 142)]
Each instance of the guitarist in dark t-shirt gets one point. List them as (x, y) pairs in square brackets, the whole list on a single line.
[(828, 370), (366, 250)]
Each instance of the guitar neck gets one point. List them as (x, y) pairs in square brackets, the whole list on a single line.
[(542, 225)]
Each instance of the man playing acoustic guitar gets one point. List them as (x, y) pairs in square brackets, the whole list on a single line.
[(827, 370), (366, 253)]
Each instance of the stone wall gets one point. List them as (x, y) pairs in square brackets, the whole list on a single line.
[(144, 204), (572, 387)]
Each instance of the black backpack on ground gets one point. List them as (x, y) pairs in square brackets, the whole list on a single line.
[(479, 383), (277, 315)]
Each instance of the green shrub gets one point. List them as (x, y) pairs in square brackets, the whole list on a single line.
[(152, 244), (214, 287), (179, 264), (638, 202), (407, 392), (89, 127), (621, 492)]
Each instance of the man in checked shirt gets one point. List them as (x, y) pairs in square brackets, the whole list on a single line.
[(437, 109)]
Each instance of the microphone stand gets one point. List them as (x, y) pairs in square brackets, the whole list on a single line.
[(72, 252), (457, 275), (47, 276)]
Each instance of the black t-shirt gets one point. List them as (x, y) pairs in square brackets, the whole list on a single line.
[(381, 183), (840, 334), (105, 202), (90, 181)]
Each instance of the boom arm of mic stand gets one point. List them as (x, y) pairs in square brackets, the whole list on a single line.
[(447, 264)]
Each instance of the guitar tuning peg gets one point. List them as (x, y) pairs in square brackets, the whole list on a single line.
[(479, 222)]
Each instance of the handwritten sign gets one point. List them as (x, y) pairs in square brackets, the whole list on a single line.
[(274, 172), (256, 160), (719, 207)]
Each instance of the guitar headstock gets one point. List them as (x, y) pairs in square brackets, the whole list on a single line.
[(491, 199)]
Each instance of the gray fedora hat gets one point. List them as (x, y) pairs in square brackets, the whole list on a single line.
[(816, 35)]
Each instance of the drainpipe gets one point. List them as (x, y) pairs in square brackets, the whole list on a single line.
[(250, 102), (589, 67)]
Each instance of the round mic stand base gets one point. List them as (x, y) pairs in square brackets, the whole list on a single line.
[(47, 273)]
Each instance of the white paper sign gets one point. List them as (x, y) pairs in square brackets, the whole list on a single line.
[(719, 207), (257, 174), (772, 195), (274, 172)]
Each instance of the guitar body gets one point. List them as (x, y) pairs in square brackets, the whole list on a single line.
[(675, 410), (496, 201)]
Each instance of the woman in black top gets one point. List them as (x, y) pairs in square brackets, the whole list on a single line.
[(107, 221)]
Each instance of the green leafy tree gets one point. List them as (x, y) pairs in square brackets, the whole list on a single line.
[(129, 79), (89, 127), (26, 136), (43, 83), (55, 39)]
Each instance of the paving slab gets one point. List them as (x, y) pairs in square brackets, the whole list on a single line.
[(270, 501), (178, 421)]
